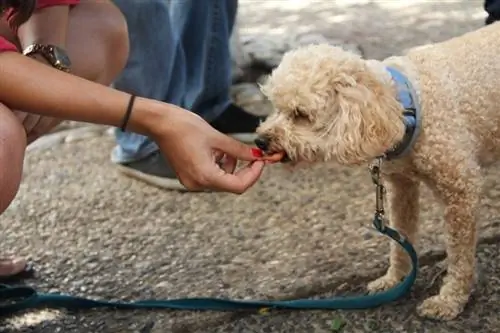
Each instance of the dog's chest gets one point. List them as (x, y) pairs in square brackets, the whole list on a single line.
[(402, 167)]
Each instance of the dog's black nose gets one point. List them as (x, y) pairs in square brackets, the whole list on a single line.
[(262, 142)]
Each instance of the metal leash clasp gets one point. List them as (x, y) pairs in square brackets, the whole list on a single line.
[(379, 218)]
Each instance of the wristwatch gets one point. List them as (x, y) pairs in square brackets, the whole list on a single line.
[(56, 56)]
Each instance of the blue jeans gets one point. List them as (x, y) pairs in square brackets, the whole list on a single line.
[(179, 54)]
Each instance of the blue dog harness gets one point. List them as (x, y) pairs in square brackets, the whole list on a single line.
[(20, 298), (412, 115)]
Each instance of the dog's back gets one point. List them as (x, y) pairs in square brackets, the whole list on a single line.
[(459, 82)]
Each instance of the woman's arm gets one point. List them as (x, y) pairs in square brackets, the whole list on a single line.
[(188, 142), (30, 86)]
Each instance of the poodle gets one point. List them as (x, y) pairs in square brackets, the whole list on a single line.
[(332, 105)]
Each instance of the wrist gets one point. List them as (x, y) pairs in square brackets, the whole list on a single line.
[(149, 117), (40, 58), (52, 54), (43, 41)]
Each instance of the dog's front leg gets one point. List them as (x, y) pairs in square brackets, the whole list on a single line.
[(458, 184), (404, 206)]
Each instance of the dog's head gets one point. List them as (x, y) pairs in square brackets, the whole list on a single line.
[(329, 105)]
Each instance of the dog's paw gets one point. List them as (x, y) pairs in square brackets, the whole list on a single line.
[(383, 283), (441, 308)]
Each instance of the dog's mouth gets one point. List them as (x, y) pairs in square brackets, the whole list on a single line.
[(285, 158), (270, 151), (276, 157)]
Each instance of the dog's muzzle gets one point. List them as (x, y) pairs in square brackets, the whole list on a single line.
[(263, 143)]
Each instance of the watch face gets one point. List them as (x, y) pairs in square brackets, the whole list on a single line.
[(61, 58)]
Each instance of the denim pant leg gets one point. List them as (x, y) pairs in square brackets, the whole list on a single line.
[(156, 56), (205, 29), (492, 7), (179, 53)]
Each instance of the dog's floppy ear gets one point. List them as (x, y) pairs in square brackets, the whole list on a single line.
[(368, 117)]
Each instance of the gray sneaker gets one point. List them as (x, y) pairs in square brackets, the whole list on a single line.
[(153, 170)]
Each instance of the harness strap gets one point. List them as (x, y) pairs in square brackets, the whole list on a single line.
[(411, 116), (19, 298)]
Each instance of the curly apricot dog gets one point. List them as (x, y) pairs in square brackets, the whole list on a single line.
[(331, 105)]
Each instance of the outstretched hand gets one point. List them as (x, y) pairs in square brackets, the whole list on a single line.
[(204, 158)]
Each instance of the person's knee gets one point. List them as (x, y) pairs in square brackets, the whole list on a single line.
[(115, 32), (102, 26), (12, 147)]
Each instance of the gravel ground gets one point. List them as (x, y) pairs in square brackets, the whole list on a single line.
[(94, 232)]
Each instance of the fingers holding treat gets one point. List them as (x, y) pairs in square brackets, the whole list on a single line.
[(225, 162), (274, 157)]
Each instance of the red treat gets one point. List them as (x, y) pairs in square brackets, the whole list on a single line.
[(257, 152)]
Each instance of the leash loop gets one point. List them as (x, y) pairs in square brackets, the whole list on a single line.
[(13, 299)]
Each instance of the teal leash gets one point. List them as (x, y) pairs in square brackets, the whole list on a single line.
[(14, 299)]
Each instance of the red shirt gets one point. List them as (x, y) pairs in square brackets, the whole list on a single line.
[(5, 45), (48, 3)]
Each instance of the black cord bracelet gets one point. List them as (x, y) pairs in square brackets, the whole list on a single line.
[(126, 117)]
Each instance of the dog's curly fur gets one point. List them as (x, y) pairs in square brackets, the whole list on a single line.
[(331, 105)]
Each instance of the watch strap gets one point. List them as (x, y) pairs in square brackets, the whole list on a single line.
[(48, 52)]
